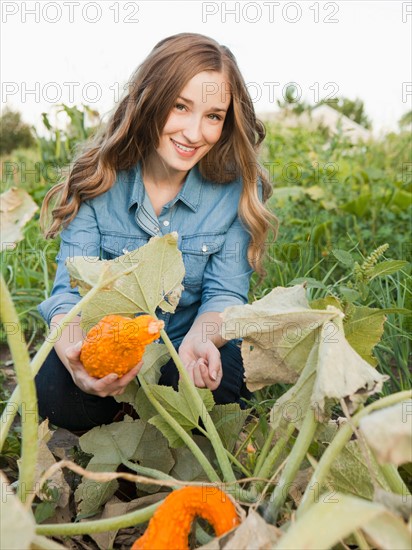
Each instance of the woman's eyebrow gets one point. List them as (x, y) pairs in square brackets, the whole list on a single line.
[(217, 109)]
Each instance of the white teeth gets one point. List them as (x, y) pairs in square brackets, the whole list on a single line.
[(183, 148)]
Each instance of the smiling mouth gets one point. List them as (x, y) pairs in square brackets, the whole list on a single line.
[(184, 147)]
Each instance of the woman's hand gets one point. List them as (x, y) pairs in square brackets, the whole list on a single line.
[(202, 361), (103, 387)]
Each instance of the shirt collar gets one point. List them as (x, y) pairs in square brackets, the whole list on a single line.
[(189, 193)]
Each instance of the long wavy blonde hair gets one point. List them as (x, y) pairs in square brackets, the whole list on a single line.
[(133, 130)]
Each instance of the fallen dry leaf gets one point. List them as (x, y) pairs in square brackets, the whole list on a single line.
[(253, 532)]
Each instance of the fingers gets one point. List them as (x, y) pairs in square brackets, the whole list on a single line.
[(73, 352), (199, 370), (202, 375), (115, 385), (109, 385)]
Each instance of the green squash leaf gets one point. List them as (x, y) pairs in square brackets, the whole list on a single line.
[(350, 473), (364, 329), (154, 275), (110, 445), (229, 420)]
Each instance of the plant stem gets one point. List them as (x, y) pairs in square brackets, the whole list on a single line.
[(246, 440), (264, 452), (338, 443), (149, 472), (231, 457), (29, 412), (203, 461), (201, 536), (360, 540), (393, 479), (266, 469), (99, 525), (15, 399), (213, 435), (295, 458)]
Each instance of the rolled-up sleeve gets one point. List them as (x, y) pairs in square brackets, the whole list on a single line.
[(80, 238)]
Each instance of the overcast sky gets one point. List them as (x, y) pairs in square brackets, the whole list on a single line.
[(80, 51)]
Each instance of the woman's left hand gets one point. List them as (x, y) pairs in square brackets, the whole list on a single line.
[(202, 361)]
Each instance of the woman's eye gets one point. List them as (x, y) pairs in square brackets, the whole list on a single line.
[(180, 106), (215, 117)]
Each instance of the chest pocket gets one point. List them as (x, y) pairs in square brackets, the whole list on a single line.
[(116, 245), (196, 251)]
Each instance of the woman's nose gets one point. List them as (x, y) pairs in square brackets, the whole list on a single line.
[(193, 130)]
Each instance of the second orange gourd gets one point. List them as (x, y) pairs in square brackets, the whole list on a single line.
[(170, 525)]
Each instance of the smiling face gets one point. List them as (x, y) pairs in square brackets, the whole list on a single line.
[(194, 124)]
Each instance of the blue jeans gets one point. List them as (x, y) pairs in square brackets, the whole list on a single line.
[(66, 406)]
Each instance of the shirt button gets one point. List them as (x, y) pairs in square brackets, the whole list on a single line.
[(157, 229), (204, 248), (166, 223)]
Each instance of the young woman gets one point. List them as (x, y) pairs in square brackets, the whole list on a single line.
[(178, 154)]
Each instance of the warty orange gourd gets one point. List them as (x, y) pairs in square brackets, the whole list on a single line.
[(117, 344), (171, 523)]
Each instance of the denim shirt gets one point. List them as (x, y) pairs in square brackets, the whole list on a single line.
[(211, 237)]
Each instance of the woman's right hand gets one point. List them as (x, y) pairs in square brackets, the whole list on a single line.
[(103, 387)]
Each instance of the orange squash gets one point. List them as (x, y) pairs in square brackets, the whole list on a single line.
[(171, 523), (117, 344)]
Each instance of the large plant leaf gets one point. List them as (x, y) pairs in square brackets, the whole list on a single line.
[(154, 357), (187, 467), (350, 473), (16, 209), (278, 333), (229, 420), (130, 393), (143, 406), (181, 407), (389, 433), (156, 271), (363, 325), (153, 452), (110, 445), (364, 329), (329, 521), (341, 372), (165, 428)]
